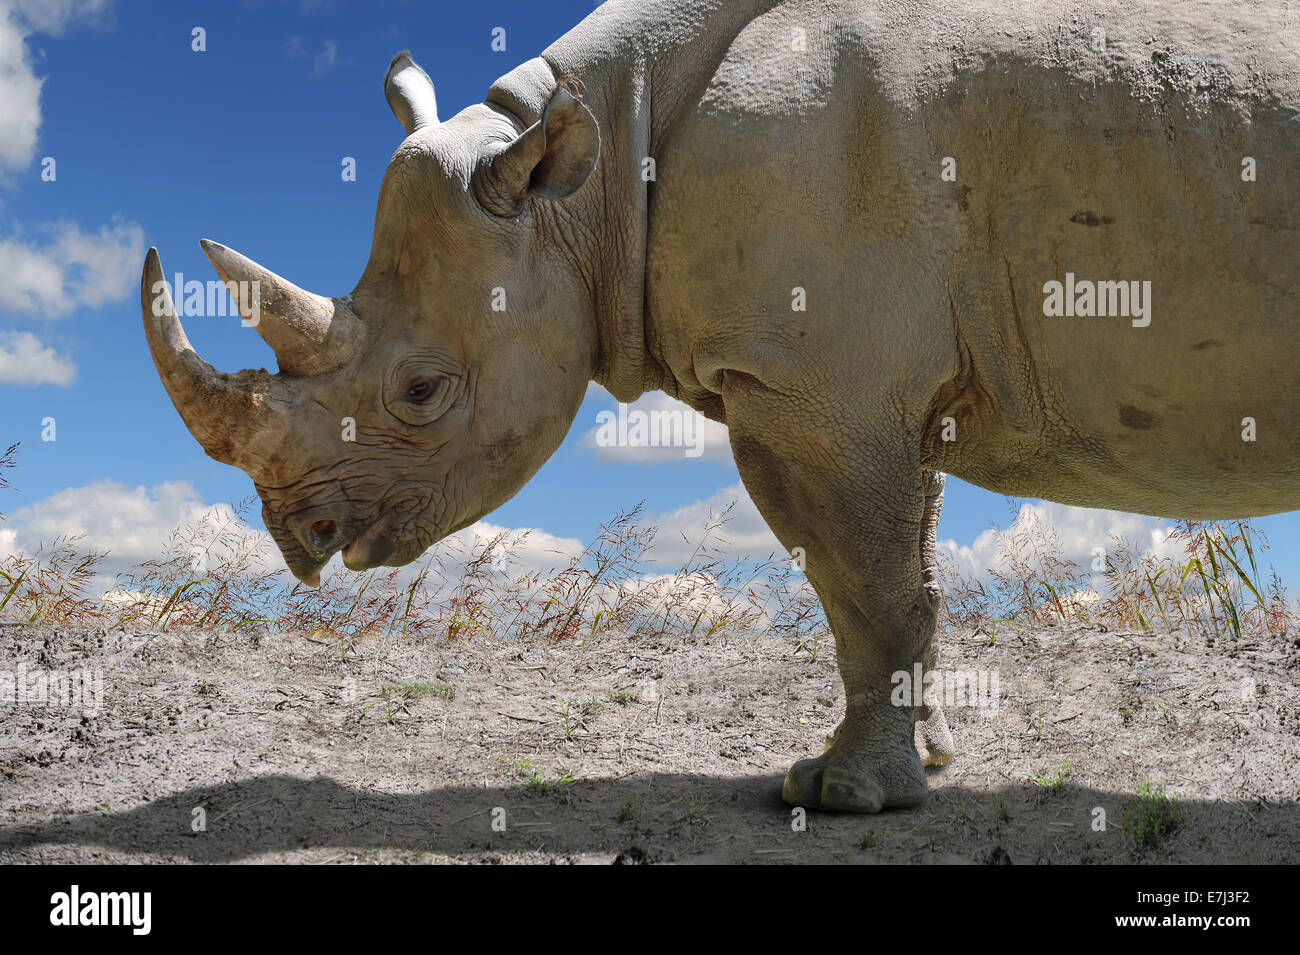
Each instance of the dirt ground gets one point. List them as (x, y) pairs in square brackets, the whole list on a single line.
[(286, 748)]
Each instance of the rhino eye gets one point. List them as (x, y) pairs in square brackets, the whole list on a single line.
[(421, 392)]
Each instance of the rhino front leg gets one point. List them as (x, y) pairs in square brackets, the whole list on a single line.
[(933, 738), (854, 499)]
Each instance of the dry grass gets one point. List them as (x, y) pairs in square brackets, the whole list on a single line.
[(1215, 588), (49, 586), (218, 573)]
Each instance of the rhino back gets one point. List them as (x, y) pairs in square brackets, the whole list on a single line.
[(813, 160), (1127, 166)]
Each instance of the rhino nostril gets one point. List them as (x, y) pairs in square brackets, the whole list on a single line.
[(323, 534)]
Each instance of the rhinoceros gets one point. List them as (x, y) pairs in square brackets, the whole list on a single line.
[(1050, 247)]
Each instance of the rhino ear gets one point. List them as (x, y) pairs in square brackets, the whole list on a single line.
[(550, 159), (409, 92)]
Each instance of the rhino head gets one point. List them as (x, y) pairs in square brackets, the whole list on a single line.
[(429, 395)]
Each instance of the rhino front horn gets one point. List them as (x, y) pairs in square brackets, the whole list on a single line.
[(239, 419), (309, 333)]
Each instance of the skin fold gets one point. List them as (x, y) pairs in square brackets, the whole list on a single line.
[(800, 268)]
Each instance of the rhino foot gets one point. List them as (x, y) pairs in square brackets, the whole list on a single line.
[(934, 739), (858, 774)]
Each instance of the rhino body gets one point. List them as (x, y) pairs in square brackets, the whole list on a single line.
[(916, 175)]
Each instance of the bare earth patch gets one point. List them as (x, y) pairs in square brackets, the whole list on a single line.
[(400, 750)]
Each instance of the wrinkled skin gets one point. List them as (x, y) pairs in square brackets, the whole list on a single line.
[(818, 167), (504, 389)]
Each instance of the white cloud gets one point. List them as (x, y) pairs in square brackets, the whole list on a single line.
[(130, 525), (1079, 530), (322, 62), (20, 99), (744, 534), (20, 87), (71, 269), (60, 268), (325, 58), (25, 361), (66, 269), (521, 551), (694, 437), (55, 16), (133, 524), (535, 549)]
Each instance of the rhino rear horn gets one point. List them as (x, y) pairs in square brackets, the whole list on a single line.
[(309, 334), (238, 419), (550, 159), (410, 95)]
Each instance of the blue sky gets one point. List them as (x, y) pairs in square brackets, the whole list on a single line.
[(156, 144)]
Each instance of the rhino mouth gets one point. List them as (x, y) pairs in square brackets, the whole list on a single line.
[(362, 550), (371, 548)]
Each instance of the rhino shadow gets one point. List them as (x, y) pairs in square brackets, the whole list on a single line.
[(657, 817)]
